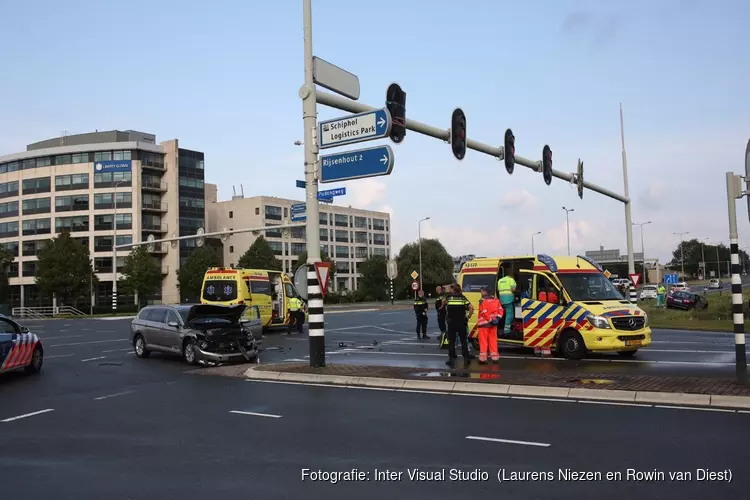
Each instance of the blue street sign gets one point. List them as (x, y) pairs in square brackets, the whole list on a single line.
[(370, 162), (324, 199), (299, 217), (670, 279), (299, 208), (301, 184), (330, 193), (355, 128)]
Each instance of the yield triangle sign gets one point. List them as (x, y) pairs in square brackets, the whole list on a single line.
[(323, 270), (635, 278)]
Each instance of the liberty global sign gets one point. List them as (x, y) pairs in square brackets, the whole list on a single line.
[(112, 166)]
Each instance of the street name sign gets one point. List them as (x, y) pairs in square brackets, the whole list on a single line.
[(333, 78), (354, 128), (358, 164), (330, 193), (299, 212)]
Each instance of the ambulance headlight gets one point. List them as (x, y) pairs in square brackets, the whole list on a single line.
[(598, 322)]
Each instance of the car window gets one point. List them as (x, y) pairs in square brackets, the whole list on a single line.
[(143, 314), (158, 315), (254, 312), (289, 290), (172, 316), (7, 327)]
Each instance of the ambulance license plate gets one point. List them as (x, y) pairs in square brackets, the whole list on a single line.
[(633, 343)]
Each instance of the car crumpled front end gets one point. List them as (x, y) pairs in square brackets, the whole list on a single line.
[(220, 336)]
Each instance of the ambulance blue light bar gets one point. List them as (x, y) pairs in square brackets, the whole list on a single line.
[(547, 261), (592, 262)]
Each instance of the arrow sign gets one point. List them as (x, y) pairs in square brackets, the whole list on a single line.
[(298, 212), (371, 162), (635, 278), (354, 128)]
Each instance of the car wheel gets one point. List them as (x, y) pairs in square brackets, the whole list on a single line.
[(627, 354), (188, 352), (37, 359), (139, 344), (571, 346)]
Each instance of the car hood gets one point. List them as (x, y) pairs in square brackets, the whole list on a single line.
[(231, 314)]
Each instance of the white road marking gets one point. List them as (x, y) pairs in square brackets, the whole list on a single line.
[(690, 350), (69, 324), (86, 329), (509, 441), (113, 395), (394, 312), (25, 415), (92, 359), (694, 408), (116, 318), (254, 414), (59, 356), (61, 337), (390, 330), (91, 342), (293, 360), (117, 350), (61, 330)]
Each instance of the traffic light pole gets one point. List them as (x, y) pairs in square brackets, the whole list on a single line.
[(734, 192), (628, 215), (316, 332)]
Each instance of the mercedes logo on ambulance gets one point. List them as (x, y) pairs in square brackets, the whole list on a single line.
[(632, 323)]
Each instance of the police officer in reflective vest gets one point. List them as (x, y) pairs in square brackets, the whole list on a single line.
[(506, 289), (440, 309), (296, 314), (420, 309), (458, 310)]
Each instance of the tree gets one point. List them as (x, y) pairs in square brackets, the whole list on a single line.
[(302, 258), (6, 258), (373, 282), (437, 266), (694, 253), (142, 273), (190, 275), (260, 256), (64, 269)]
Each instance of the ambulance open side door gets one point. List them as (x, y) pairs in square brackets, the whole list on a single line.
[(541, 315)]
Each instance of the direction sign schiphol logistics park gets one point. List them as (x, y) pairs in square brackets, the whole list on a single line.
[(354, 128), (370, 162)]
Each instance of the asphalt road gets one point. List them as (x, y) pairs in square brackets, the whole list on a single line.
[(99, 422)]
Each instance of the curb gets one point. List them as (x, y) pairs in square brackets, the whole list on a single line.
[(441, 387)]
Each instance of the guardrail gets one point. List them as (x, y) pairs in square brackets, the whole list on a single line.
[(45, 312)]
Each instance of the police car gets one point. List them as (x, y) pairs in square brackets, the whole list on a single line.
[(19, 348)]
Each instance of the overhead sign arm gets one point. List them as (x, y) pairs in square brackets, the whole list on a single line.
[(498, 152)]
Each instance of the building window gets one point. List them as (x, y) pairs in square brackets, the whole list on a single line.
[(298, 248), (341, 220), (273, 233), (9, 167), (378, 239), (231, 214), (360, 222), (70, 182), (378, 224), (342, 236), (152, 160), (286, 212), (9, 209), (76, 224), (9, 189), (63, 160), (298, 233), (323, 234), (152, 201), (112, 179), (323, 218), (231, 249), (257, 210), (29, 164), (273, 213), (104, 243), (44, 162), (80, 158), (124, 221), (277, 247), (107, 200), (103, 156), (152, 222), (29, 268), (150, 181), (360, 237), (360, 252), (34, 247), (38, 185), (191, 183), (71, 203), (8, 229), (35, 226), (196, 203), (379, 251), (121, 155), (342, 252), (11, 247), (342, 267), (103, 264), (36, 206), (103, 222)]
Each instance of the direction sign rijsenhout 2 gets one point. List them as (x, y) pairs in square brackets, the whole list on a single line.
[(354, 128), (358, 164)]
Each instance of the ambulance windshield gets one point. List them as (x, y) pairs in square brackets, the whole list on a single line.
[(589, 286)]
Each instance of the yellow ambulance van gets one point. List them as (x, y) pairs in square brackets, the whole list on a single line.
[(269, 290), (564, 304)]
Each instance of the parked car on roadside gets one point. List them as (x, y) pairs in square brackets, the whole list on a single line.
[(198, 333), (715, 284), (648, 292), (679, 287), (19, 348), (686, 301)]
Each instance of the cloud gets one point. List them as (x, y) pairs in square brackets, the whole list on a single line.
[(366, 193), (460, 240), (555, 241), (654, 195), (518, 200)]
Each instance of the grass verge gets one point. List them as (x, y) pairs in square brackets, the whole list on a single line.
[(716, 317)]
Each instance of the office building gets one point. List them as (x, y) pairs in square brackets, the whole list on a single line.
[(105, 188), (348, 235)]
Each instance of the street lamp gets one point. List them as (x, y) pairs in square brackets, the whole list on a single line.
[(567, 224), (419, 229), (532, 241), (703, 254), (643, 252), (682, 253), (114, 248)]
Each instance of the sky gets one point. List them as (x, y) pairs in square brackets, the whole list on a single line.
[(223, 77)]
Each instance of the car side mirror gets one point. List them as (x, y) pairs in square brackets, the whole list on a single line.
[(24, 329), (173, 324)]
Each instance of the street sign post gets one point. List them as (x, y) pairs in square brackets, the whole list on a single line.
[(354, 128), (392, 269), (358, 164), (635, 278), (323, 270), (298, 212), (331, 193)]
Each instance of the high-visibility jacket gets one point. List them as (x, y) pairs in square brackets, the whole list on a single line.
[(420, 305), (661, 290), (490, 311), (295, 304), (505, 287)]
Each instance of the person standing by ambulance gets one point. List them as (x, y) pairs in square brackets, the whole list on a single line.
[(420, 309), (296, 315), (490, 314), (440, 309), (506, 289), (458, 311)]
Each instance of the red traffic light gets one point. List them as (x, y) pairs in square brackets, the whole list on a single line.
[(510, 151), (458, 133), (547, 164)]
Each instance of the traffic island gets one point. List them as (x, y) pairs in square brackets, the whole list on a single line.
[(491, 380)]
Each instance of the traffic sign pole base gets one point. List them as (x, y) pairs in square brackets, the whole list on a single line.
[(317, 352)]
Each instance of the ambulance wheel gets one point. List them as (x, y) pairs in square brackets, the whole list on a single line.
[(627, 354), (571, 346)]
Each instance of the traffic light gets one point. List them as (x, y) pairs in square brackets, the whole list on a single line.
[(458, 133), (579, 178), (510, 151), (547, 164), (395, 101)]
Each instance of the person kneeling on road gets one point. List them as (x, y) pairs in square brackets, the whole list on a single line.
[(296, 315), (457, 306), (420, 309), (490, 314)]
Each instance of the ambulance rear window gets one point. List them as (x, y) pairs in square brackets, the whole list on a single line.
[(475, 282), (220, 290)]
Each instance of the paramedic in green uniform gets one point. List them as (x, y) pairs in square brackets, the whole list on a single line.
[(506, 289)]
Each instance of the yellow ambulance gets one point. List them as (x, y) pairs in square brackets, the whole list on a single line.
[(269, 290), (565, 304)]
